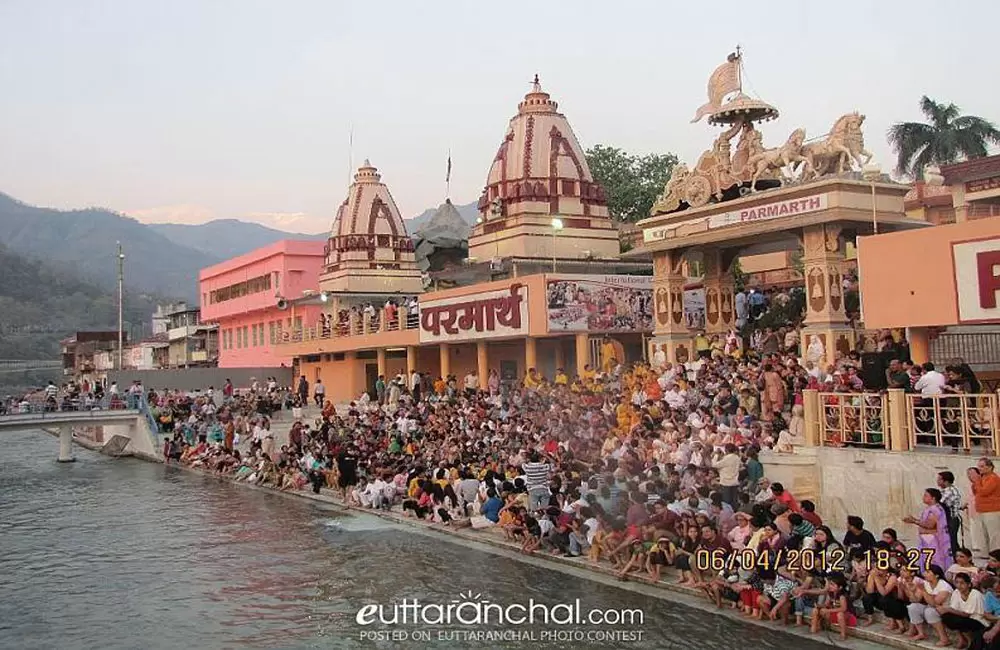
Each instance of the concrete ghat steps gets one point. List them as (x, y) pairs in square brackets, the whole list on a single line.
[(860, 638)]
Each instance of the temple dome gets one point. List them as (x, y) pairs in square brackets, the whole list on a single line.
[(539, 178), (369, 240), (369, 208), (540, 159)]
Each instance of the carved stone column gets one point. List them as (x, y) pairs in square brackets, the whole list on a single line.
[(720, 307), (671, 332), (822, 262)]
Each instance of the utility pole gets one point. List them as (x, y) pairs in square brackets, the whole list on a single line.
[(121, 293)]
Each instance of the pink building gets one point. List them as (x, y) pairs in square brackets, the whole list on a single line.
[(242, 295)]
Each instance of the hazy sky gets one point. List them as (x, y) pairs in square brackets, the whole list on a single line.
[(189, 110)]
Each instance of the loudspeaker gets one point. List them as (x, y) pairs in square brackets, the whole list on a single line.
[(873, 367)]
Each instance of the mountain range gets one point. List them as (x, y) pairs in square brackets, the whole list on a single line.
[(160, 259)]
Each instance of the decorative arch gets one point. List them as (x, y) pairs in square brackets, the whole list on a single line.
[(559, 146), (380, 210)]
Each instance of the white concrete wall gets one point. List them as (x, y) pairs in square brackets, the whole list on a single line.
[(142, 441), (879, 486)]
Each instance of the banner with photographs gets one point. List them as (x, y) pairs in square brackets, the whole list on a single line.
[(694, 308), (600, 303)]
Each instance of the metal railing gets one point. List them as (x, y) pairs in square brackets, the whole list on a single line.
[(355, 324), (49, 408), (963, 422), (975, 348), (853, 419)]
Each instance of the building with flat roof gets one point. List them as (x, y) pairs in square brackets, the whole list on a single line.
[(255, 297)]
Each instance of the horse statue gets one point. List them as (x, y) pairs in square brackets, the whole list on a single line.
[(780, 158), (842, 150)]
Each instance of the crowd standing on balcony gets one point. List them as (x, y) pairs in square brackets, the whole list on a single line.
[(386, 315), (652, 472)]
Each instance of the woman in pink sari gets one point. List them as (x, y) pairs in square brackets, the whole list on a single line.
[(933, 529)]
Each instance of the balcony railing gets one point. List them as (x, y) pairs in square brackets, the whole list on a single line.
[(963, 422), (363, 324), (853, 419)]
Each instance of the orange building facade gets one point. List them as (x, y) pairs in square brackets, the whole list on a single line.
[(942, 277), (543, 321)]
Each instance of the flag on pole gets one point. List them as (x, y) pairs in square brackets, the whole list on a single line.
[(447, 178)]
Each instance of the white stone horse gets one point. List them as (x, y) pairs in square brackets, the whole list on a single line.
[(840, 151)]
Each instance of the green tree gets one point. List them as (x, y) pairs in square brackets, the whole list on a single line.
[(949, 137), (632, 182)]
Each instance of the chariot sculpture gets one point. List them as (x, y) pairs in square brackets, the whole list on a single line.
[(722, 174)]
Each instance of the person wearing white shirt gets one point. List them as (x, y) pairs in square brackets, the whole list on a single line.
[(964, 611), (674, 397), (728, 465), (931, 382)]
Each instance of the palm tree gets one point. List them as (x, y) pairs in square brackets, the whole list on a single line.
[(948, 138)]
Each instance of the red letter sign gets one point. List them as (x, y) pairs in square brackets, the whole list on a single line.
[(989, 281)]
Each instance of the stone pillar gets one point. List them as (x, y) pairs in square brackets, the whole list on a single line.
[(720, 289), (822, 261), (560, 353), (66, 444), (671, 332), (582, 352), (380, 359), (530, 353), (483, 364), (920, 344), (811, 413), (445, 353), (896, 420), (411, 359)]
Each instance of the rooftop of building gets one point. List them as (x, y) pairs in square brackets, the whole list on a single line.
[(971, 170), (298, 247)]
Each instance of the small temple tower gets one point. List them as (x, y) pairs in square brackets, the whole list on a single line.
[(540, 200), (369, 250)]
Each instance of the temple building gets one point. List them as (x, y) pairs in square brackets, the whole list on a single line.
[(369, 250), (542, 287), (541, 201)]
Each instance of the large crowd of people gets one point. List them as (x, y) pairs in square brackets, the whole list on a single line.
[(651, 471)]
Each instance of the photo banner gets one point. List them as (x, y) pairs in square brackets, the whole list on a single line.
[(600, 303)]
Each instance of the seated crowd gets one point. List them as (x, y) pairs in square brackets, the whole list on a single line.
[(652, 472)]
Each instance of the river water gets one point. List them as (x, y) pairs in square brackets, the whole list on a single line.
[(118, 553)]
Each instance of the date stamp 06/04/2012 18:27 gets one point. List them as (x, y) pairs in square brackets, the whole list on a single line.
[(833, 560)]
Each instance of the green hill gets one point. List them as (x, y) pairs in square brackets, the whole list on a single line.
[(40, 304)]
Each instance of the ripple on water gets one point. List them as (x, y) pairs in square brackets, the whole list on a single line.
[(120, 554)]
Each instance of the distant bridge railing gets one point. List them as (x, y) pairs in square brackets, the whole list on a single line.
[(28, 365), (66, 405)]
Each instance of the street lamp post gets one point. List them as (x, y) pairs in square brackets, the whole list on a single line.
[(872, 173), (121, 293), (557, 225)]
